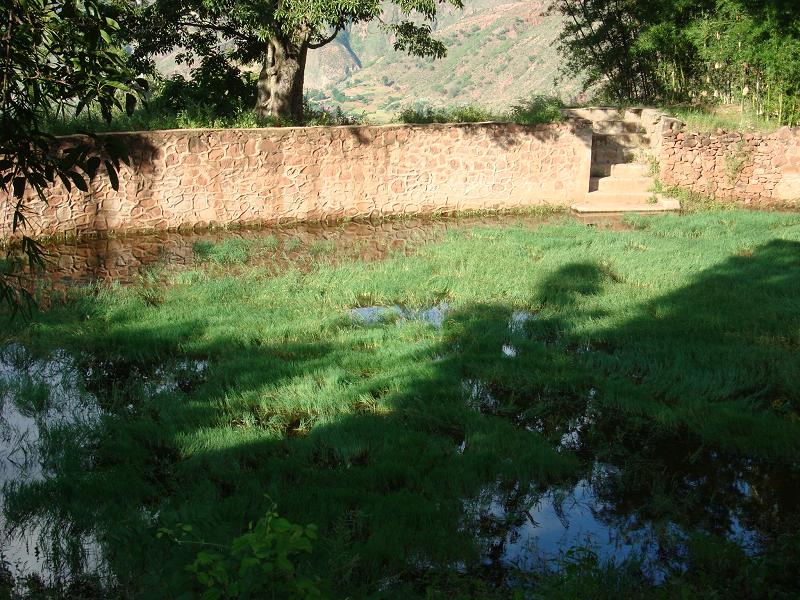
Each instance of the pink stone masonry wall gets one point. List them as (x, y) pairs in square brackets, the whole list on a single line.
[(202, 177), (747, 167)]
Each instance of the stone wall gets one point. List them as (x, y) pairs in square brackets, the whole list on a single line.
[(747, 167), (197, 178)]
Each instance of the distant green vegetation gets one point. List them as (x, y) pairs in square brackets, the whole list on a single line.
[(160, 114), (539, 109), (155, 116)]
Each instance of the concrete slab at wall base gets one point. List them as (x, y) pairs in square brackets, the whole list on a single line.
[(204, 177)]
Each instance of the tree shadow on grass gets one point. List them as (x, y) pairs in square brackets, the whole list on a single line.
[(387, 436)]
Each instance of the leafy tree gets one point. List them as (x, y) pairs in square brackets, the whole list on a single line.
[(275, 33), (57, 55), (623, 45), (744, 51)]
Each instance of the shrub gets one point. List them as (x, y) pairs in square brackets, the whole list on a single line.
[(223, 89), (539, 109), (458, 114)]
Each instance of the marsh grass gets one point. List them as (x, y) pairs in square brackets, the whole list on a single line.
[(683, 348)]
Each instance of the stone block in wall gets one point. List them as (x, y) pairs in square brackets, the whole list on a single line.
[(788, 188)]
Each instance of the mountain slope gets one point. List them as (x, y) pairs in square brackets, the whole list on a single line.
[(498, 53)]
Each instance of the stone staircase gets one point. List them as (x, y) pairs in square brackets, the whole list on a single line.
[(621, 180)]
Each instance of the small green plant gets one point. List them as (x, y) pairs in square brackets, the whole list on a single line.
[(150, 287), (228, 252), (319, 247), (654, 169), (260, 563), (735, 161)]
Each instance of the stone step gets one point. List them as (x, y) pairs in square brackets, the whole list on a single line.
[(617, 168), (611, 156), (600, 113), (623, 185), (630, 170), (616, 127), (601, 169), (620, 140), (614, 202)]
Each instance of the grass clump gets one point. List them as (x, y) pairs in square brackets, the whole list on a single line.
[(228, 252), (538, 109), (455, 114)]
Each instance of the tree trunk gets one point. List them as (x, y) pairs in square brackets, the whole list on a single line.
[(280, 83)]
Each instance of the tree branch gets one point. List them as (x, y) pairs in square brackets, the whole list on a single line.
[(328, 40), (229, 31)]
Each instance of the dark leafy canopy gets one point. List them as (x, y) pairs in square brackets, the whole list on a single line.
[(201, 27), (244, 32), (57, 55), (744, 51)]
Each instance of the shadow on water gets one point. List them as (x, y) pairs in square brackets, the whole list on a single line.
[(506, 444)]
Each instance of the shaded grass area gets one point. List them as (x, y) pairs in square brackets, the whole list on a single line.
[(678, 339)]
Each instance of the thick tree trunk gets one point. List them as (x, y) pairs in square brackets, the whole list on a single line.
[(280, 83)]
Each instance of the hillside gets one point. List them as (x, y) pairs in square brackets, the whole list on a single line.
[(498, 52)]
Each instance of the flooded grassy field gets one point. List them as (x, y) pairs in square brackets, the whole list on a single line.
[(514, 406)]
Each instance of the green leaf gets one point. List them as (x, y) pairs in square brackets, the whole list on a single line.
[(19, 187), (78, 180), (130, 103), (112, 175)]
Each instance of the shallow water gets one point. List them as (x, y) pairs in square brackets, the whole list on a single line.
[(38, 396), (539, 530), (372, 315), (529, 528), (122, 259), (38, 399)]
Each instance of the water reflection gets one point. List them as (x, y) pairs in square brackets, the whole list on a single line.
[(122, 259), (650, 492), (371, 315), (532, 530), (48, 406), (39, 398), (536, 529)]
